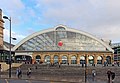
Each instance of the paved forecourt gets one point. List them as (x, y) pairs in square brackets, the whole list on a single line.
[(25, 81)]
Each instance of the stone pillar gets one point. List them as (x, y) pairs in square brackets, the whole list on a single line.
[(33, 59), (60, 59), (51, 59), (69, 59), (112, 58), (1, 30), (78, 59), (87, 60), (42, 58), (95, 59), (104, 59)]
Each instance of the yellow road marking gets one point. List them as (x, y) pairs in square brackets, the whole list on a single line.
[(6, 81)]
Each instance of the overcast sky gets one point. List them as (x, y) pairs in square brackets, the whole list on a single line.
[(97, 17)]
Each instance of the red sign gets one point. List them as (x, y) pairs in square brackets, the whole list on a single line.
[(60, 43)]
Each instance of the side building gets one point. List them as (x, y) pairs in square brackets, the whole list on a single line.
[(64, 45), (116, 48), (4, 46)]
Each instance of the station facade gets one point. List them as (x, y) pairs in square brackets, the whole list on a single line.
[(64, 45), (60, 44)]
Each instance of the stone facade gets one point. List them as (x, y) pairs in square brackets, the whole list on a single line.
[(69, 56)]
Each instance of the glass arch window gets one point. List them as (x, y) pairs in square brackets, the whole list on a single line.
[(38, 58), (64, 59), (47, 59), (72, 41), (82, 60), (91, 59), (99, 60), (73, 60), (55, 59)]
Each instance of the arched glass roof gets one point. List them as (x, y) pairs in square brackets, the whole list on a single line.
[(72, 40)]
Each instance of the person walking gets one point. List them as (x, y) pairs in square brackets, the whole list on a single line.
[(113, 76), (19, 72), (93, 74), (29, 72), (109, 74)]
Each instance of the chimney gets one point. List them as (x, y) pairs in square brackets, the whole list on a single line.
[(1, 30)]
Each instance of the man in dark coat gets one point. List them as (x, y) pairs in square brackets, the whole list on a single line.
[(109, 74)]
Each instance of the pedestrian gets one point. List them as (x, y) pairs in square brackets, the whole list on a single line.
[(113, 76), (118, 64), (36, 67), (59, 64), (19, 72), (29, 72), (93, 73), (109, 74)]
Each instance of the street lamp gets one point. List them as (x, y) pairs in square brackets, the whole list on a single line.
[(5, 17), (85, 68)]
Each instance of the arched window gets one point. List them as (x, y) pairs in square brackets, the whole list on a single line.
[(82, 60), (55, 59), (108, 59), (99, 60), (73, 60), (91, 59), (47, 59), (38, 59), (64, 59)]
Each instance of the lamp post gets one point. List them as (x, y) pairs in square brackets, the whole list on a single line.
[(5, 17), (85, 68)]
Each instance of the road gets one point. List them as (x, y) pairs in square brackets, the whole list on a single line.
[(25, 81)]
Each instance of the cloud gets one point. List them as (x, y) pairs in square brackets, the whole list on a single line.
[(13, 35), (99, 17)]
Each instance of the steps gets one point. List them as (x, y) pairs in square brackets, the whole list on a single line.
[(64, 70)]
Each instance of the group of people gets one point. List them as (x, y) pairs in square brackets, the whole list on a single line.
[(111, 75), (19, 72)]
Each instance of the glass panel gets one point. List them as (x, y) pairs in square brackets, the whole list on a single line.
[(71, 41)]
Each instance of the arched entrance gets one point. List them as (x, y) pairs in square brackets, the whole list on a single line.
[(64, 59), (82, 60), (91, 60), (108, 59), (55, 59), (23, 58), (73, 60), (99, 60), (47, 59), (38, 59)]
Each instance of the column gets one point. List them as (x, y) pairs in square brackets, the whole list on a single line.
[(104, 59), (51, 59), (78, 59), (60, 59), (33, 59), (42, 58), (87, 60), (69, 59), (95, 59)]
